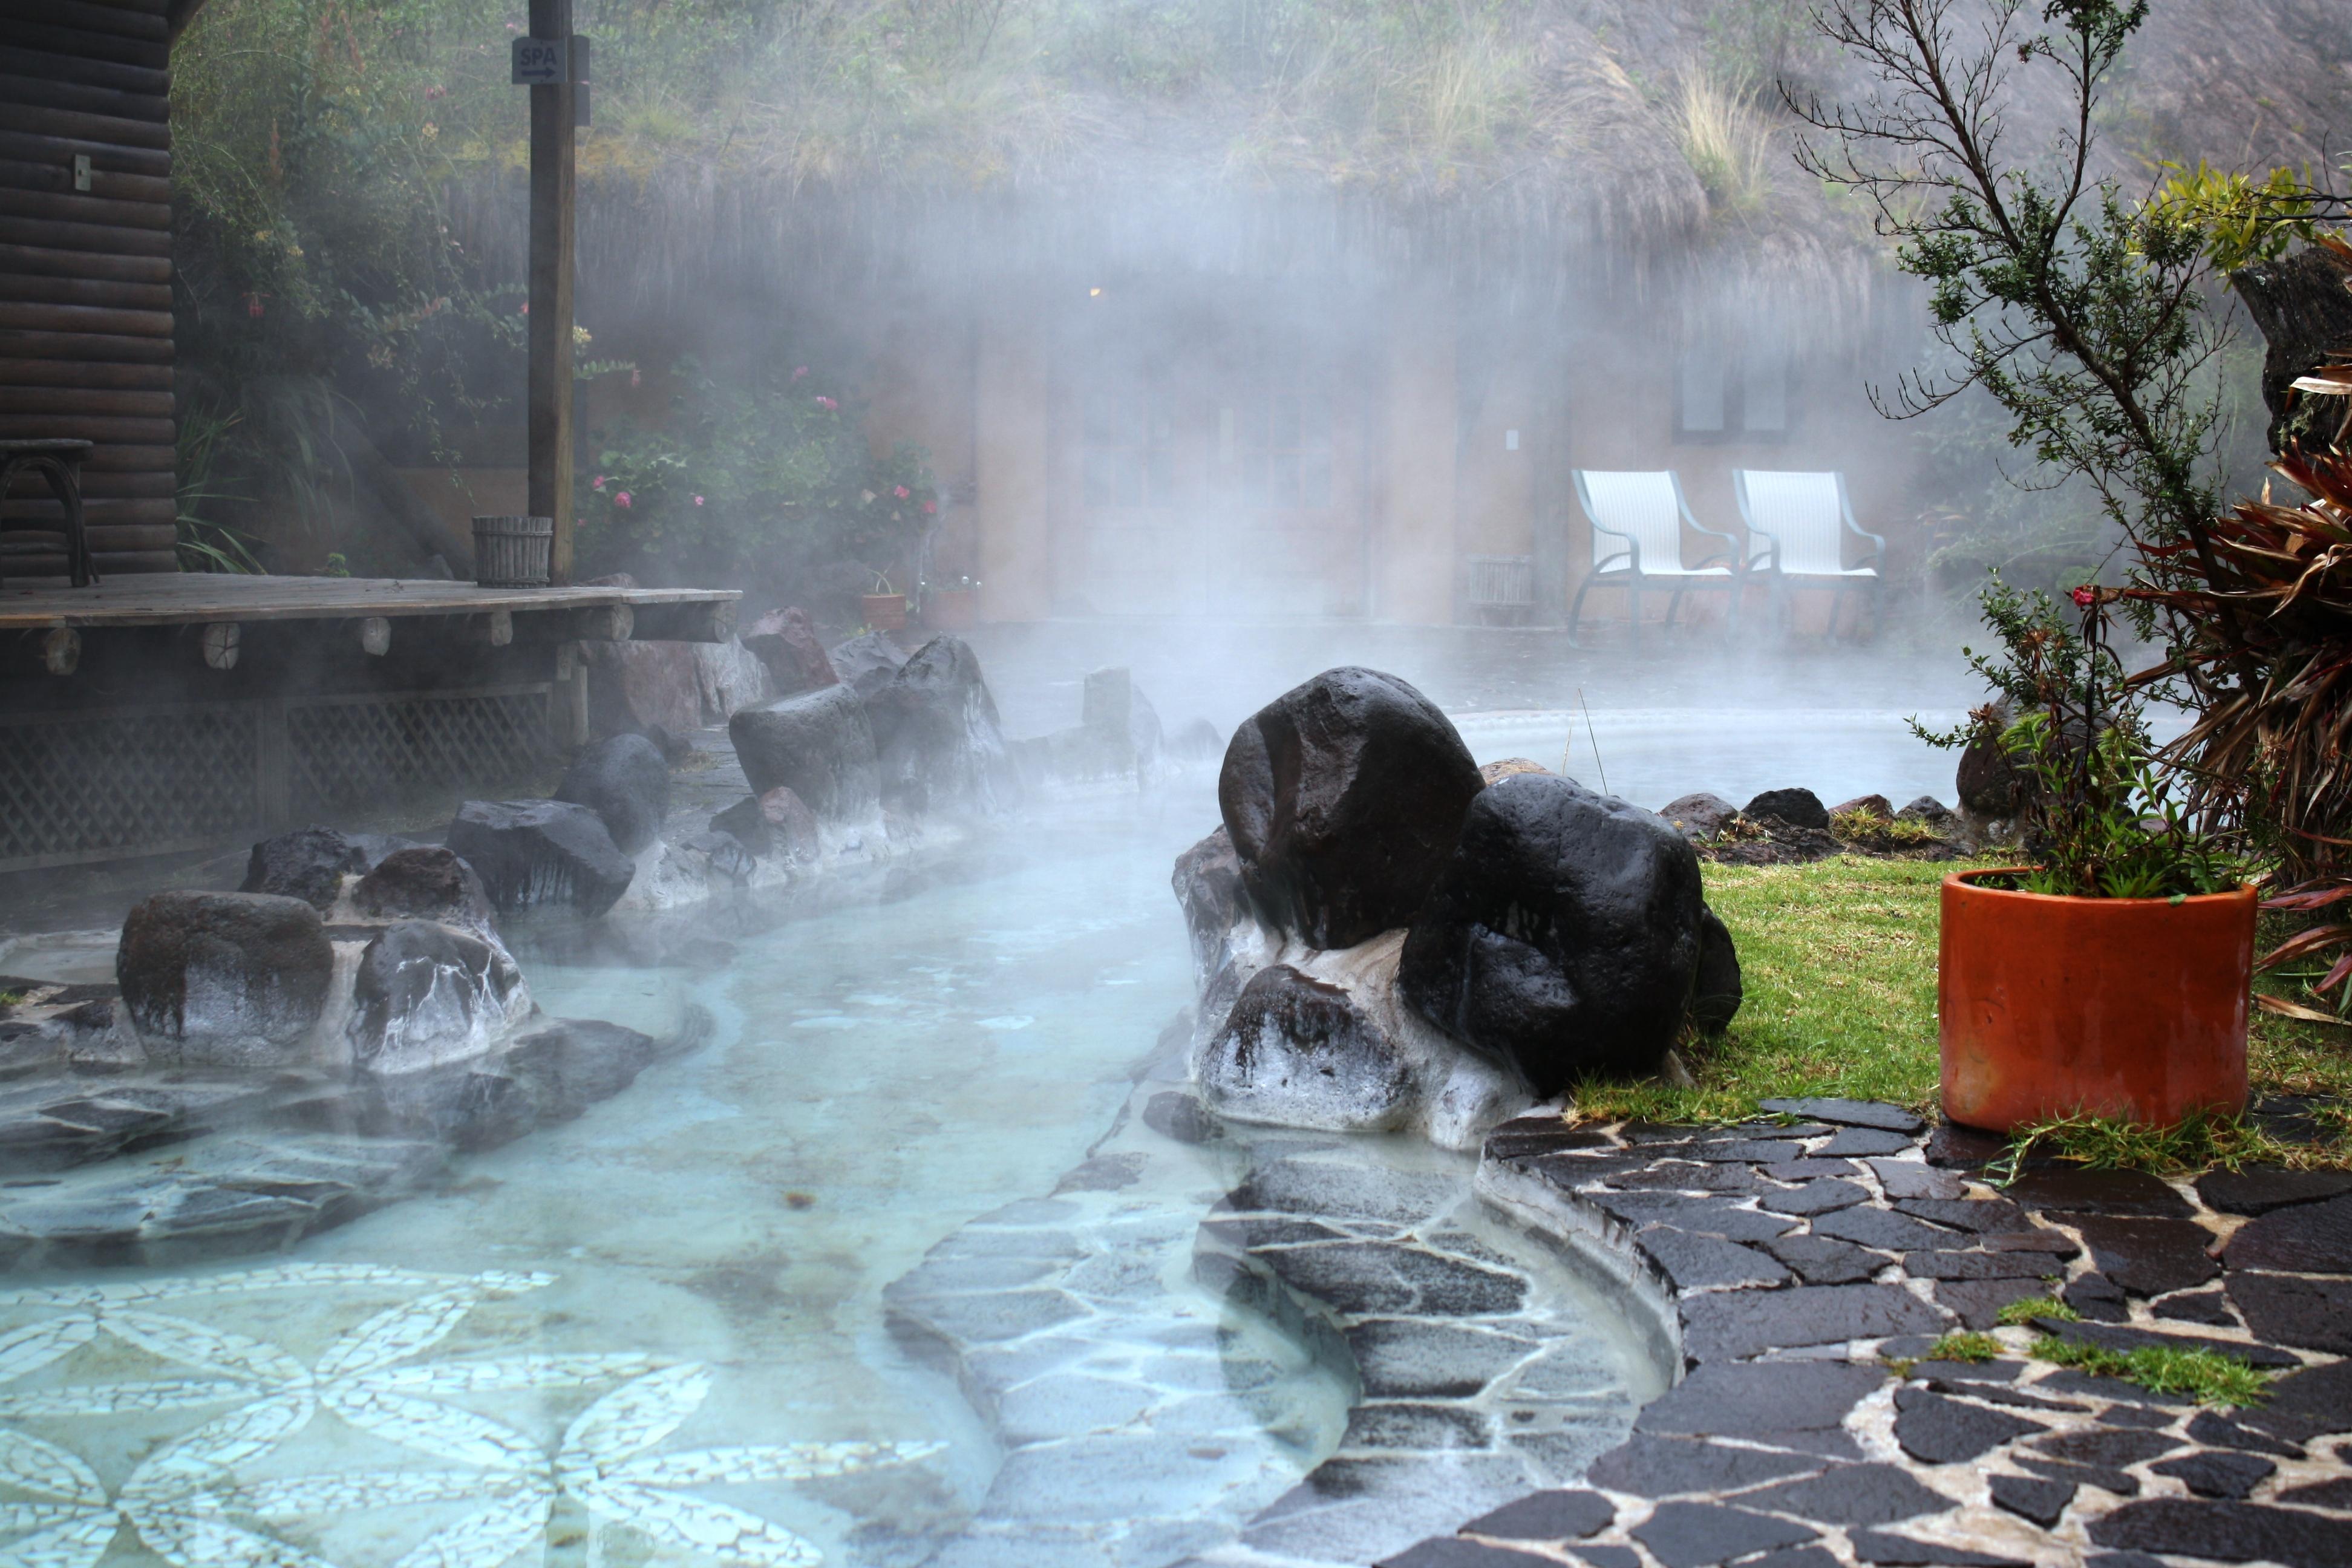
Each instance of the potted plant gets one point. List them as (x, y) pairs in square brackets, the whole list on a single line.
[(951, 606), (885, 607), (2111, 976)]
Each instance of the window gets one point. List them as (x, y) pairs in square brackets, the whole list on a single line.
[(1130, 449), (1721, 397), (1275, 447)]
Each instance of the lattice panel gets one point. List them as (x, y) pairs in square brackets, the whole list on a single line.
[(347, 754), (131, 782)]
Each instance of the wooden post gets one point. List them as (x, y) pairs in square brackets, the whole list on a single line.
[(551, 139)]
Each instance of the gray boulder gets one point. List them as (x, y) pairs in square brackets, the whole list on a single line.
[(624, 779), (936, 735), (867, 662), (1208, 883), (537, 854), (1699, 816), (1716, 993), (819, 745), (778, 823), (428, 994), (1298, 1052), (1565, 935), (230, 980), (309, 863), (786, 642), (1344, 796), (424, 882)]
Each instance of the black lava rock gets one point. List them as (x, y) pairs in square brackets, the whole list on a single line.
[(2221, 1475), (1716, 994), (624, 780), (1797, 807), (224, 979), (2147, 1256), (1546, 1516), (424, 882), (1936, 1430), (1645, 1465), (2042, 1501), (1700, 816), (1988, 782), (1344, 797), (819, 745), (1564, 937), (2232, 1531), (533, 853), (309, 863), (1853, 1494), (2313, 1239), (2080, 1189), (1851, 1113), (936, 735), (1695, 1534), (1726, 1325), (2314, 1313), (2267, 1187), (1296, 1051)]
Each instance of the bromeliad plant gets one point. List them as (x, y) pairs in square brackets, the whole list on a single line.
[(2102, 817)]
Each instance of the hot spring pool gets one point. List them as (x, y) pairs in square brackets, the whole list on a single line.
[(888, 1271)]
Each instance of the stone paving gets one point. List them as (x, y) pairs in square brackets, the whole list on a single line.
[(1806, 1269), (1157, 1377)]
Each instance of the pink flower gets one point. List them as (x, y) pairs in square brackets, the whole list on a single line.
[(632, 375), (799, 370), (2084, 598), (437, 91), (930, 506), (621, 499), (697, 501), (526, 307), (901, 491), (827, 403), (598, 483)]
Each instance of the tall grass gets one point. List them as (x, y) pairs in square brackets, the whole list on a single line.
[(1724, 139)]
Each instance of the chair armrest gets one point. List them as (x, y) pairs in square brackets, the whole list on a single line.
[(1771, 547), (1846, 512), (1632, 551)]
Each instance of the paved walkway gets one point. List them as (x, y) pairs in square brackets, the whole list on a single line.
[(1809, 1267)]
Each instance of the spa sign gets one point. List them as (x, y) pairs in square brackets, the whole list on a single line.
[(540, 62)]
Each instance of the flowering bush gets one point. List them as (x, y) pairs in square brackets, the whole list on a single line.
[(2100, 816), (766, 482)]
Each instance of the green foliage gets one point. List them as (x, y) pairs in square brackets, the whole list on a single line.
[(772, 477), (2243, 220), (206, 541), (2207, 1376), (2101, 820), (2018, 1313), (2200, 1141), (11, 998), (1865, 829), (2079, 312), (1967, 1347)]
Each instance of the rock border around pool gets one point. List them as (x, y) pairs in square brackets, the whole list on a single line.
[(1811, 1264)]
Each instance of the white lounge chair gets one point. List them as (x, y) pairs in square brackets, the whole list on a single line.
[(1637, 542), (1799, 526)]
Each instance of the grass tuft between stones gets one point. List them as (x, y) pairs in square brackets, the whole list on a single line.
[(2032, 1307), (1837, 960), (2207, 1376), (1971, 1347)]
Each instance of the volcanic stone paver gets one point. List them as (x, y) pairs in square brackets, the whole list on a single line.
[(1812, 1267)]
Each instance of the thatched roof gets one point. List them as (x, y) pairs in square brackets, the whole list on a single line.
[(1586, 171)]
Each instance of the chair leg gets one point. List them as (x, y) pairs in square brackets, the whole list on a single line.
[(65, 483), (1633, 613), (1576, 611), (1674, 607)]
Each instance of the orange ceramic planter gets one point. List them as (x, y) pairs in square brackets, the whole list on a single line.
[(2132, 1008)]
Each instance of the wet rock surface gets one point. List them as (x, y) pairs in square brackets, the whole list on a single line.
[(223, 980), (1298, 1051), (309, 863), (819, 745), (537, 854), (938, 741), (1811, 1403), (786, 642), (1564, 935), (1343, 798), (624, 779), (424, 882)]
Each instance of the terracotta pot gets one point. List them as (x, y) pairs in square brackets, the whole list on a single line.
[(2132, 1008), (951, 609), (886, 612)]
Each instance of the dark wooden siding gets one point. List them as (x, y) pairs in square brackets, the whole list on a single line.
[(85, 276)]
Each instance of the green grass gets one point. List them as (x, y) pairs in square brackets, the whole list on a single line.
[(1963, 1347), (2207, 1376), (1838, 962), (2032, 1307)]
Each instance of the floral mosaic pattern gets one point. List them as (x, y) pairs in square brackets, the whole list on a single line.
[(214, 1493)]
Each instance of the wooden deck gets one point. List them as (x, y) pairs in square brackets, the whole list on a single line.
[(162, 599)]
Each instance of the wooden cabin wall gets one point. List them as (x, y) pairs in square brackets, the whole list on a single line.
[(85, 276)]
